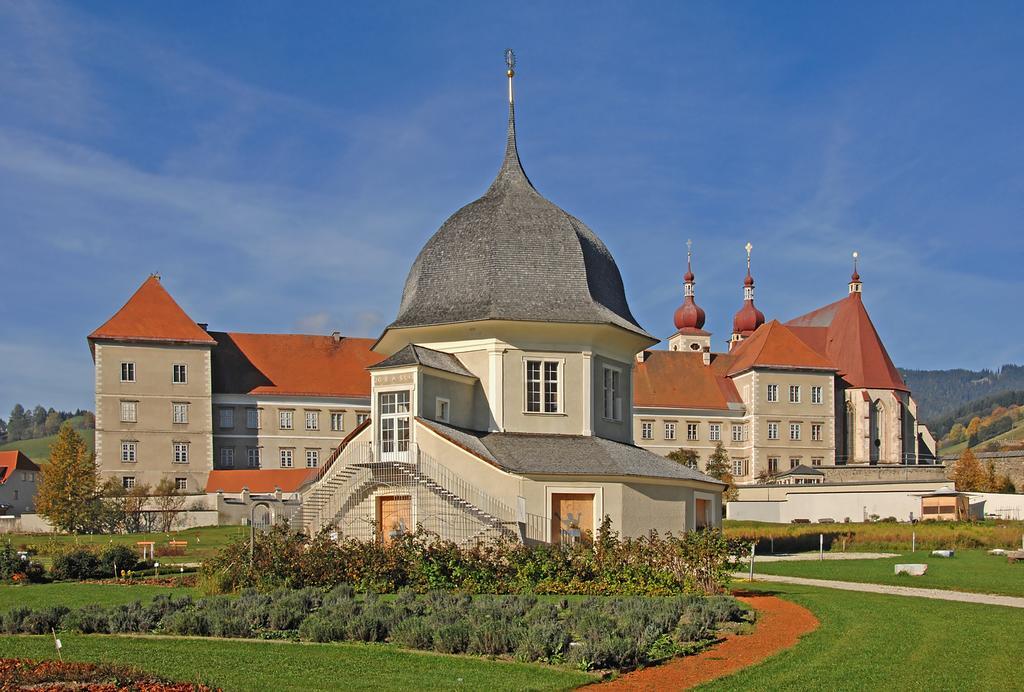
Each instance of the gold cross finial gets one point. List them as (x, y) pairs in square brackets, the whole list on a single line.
[(748, 248), (510, 63)]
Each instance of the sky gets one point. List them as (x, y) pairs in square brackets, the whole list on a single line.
[(281, 164)]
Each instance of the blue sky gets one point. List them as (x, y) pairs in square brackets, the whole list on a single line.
[(281, 164)]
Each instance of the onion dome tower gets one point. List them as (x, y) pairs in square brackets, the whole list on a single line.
[(689, 317), (749, 318)]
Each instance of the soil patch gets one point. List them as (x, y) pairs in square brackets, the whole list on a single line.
[(780, 624), (55, 676)]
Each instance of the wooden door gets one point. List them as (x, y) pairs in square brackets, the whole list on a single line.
[(572, 517), (394, 516), (702, 513)]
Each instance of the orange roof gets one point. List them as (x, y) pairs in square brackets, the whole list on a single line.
[(14, 460), (843, 332), (152, 315), (292, 364), (258, 480), (774, 345), (679, 379)]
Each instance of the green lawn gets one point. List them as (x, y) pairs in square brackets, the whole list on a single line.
[(74, 595), (250, 665), (876, 642), (201, 541), (38, 449), (970, 570)]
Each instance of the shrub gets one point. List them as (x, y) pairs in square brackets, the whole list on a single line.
[(322, 628), (76, 563), (12, 620), (414, 633), (367, 627), (10, 562), (90, 619), (543, 641), (188, 622), (120, 556), (44, 620), (129, 618), (452, 637), (492, 638), (228, 624)]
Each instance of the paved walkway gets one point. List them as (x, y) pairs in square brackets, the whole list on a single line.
[(937, 594)]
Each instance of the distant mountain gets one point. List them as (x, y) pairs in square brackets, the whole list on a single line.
[(941, 393)]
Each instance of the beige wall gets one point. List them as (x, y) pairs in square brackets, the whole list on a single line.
[(838, 502), (154, 395), (460, 394), (19, 492)]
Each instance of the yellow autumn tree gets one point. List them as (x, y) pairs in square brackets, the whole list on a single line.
[(968, 474), (67, 492), (973, 427)]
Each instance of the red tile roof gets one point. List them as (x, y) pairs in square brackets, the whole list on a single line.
[(14, 460), (258, 480), (679, 379), (844, 333), (292, 364), (774, 345), (152, 315)]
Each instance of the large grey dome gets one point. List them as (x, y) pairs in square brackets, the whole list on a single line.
[(513, 255)]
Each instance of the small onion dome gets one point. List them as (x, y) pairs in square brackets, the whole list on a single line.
[(855, 277), (749, 281), (689, 315), (688, 277), (748, 319)]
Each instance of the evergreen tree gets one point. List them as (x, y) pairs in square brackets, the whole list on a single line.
[(686, 457), (3, 429), (968, 474), (67, 494), (38, 421), (719, 468), (52, 425), (18, 424)]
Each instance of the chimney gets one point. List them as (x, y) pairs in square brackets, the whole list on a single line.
[(707, 357), (205, 326), (336, 336), (641, 356)]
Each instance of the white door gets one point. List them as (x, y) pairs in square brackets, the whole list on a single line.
[(394, 426)]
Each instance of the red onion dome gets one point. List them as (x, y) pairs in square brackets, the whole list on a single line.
[(748, 319), (855, 277), (749, 281), (689, 315)]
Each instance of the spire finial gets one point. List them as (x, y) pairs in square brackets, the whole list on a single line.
[(855, 287), (689, 252), (510, 63), (748, 247)]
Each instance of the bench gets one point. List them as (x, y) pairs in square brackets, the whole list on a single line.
[(178, 544), (1015, 556)]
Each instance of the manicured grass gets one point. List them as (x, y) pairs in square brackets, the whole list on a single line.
[(252, 665), (38, 449), (878, 536), (202, 541), (74, 595), (970, 570), (877, 642)]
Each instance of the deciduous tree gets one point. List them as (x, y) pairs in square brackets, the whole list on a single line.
[(67, 494), (169, 503), (686, 457), (719, 468), (968, 474)]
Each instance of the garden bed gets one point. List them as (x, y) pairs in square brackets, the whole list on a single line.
[(23, 673)]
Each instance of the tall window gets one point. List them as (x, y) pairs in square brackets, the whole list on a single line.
[(179, 413), (647, 430), (179, 374), (773, 393), (739, 467), (794, 394), (227, 417), (312, 458), (670, 430), (252, 418), (252, 457), (287, 458), (816, 432), (542, 395), (773, 464), (129, 449), (227, 457), (794, 462), (128, 374), (312, 420), (816, 395), (181, 484), (181, 452), (714, 432), (337, 421), (129, 412), (286, 419), (612, 394), (737, 433), (794, 431), (692, 432), (773, 431), (394, 425)]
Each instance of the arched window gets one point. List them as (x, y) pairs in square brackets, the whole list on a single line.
[(877, 432), (850, 429)]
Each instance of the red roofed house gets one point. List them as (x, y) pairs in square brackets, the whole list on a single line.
[(817, 391), (214, 410), (18, 478)]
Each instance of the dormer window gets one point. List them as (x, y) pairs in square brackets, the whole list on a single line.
[(543, 390)]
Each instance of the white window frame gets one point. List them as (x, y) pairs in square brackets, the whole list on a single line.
[(612, 399), (442, 409), (179, 413), (692, 432), (794, 394), (395, 430), (817, 395), (773, 394), (180, 483), (226, 417), (183, 379), (286, 419), (647, 430), (795, 461), (737, 433), (337, 421), (129, 451), (312, 419), (739, 467), (795, 431), (253, 454), (312, 458), (253, 418), (362, 418), (287, 458), (543, 383), (715, 432), (670, 430), (773, 464), (816, 430), (180, 455), (127, 371), (773, 430), (129, 411), (227, 457)]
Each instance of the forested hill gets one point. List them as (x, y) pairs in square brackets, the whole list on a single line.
[(939, 393)]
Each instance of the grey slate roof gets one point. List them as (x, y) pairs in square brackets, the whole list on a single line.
[(513, 255), (571, 455), (802, 470), (420, 355)]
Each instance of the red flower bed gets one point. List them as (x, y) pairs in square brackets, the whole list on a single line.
[(51, 676)]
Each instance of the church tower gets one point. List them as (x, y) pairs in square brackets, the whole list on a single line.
[(689, 317), (749, 318)]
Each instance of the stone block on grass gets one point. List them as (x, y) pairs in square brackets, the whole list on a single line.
[(943, 553), (912, 570)]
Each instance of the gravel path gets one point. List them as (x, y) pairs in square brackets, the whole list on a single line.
[(815, 556), (938, 594)]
